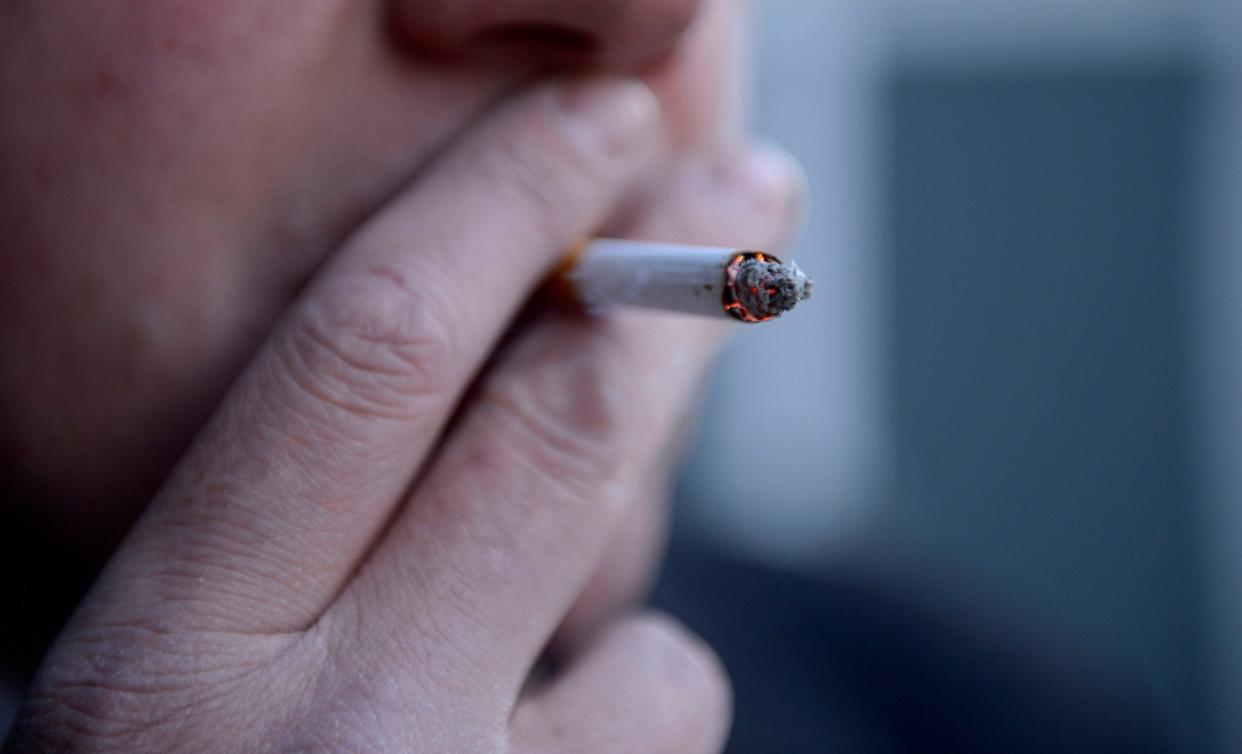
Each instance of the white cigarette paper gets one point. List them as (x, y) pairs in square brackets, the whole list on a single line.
[(714, 281)]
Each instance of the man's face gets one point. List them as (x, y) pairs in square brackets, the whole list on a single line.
[(171, 171)]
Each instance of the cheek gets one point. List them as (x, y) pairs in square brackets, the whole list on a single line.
[(191, 163)]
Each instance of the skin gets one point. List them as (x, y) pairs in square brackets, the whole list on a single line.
[(241, 245)]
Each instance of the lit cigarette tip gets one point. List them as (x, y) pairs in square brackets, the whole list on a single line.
[(767, 288), (714, 281)]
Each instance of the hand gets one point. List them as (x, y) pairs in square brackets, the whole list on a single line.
[(172, 172), (357, 554)]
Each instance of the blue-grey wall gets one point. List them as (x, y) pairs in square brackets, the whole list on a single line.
[(1041, 253)]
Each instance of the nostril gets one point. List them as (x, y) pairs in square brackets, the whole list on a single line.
[(540, 38)]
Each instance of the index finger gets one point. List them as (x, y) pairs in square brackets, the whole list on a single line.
[(543, 464), (279, 498)]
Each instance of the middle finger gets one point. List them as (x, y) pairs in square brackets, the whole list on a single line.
[(539, 470), (278, 499)]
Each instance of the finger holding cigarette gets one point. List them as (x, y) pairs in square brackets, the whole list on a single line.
[(743, 198), (714, 281), (641, 370)]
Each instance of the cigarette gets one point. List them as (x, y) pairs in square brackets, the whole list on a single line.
[(713, 281)]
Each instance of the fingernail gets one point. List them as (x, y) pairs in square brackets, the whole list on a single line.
[(612, 111)]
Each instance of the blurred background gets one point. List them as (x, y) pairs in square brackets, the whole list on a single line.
[(999, 507), (1000, 503)]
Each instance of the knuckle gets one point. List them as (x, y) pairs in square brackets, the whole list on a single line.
[(371, 346), (74, 719), (114, 688)]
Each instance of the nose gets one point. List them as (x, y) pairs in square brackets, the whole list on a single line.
[(617, 32)]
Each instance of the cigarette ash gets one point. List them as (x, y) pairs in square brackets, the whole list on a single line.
[(764, 288)]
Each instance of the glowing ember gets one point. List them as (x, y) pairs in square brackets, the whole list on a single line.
[(760, 287)]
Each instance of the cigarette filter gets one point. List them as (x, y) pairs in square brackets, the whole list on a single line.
[(715, 281)]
